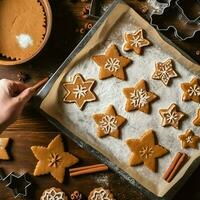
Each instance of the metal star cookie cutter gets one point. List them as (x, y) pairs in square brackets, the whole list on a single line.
[(2, 174), (17, 183), (188, 27)]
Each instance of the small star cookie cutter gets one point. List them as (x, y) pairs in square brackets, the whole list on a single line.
[(17, 183), (189, 27)]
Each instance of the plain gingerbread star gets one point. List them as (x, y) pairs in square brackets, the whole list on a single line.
[(112, 63), (145, 150), (171, 116), (189, 139), (109, 123), (164, 71), (196, 120), (135, 42), (79, 91), (3, 144), (139, 97), (191, 90), (53, 159)]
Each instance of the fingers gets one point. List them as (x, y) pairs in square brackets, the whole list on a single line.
[(27, 93)]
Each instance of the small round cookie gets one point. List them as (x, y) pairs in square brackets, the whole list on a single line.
[(53, 194), (100, 194)]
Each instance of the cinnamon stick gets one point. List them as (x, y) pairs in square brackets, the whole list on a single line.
[(89, 171), (85, 167), (172, 165), (175, 166)]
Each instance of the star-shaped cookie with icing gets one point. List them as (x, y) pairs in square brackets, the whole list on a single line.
[(135, 42), (53, 159), (164, 71), (112, 63), (3, 144), (145, 150), (171, 116), (139, 97), (191, 90), (79, 91), (196, 120), (189, 139), (109, 123)]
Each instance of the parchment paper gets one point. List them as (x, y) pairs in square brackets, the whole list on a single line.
[(109, 91)]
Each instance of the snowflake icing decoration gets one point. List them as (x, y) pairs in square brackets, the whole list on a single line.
[(79, 91), (108, 124), (139, 98), (112, 64), (194, 91)]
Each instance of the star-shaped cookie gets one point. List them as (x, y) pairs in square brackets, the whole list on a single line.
[(109, 123), (191, 90), (171, 116), (53, 159), (196, 120), (139, 97), (112, 63), (189, 139), (145, 150), (135, 42), (164, 71), (79, 91), (3, 153)]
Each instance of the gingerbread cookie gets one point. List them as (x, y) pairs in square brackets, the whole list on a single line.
[(191, 90), (164, 71), (139, 97), (53, 159), (3, 153), (196, 121), (101, 194), (171, 116), (109, 123), (145, 150), (135, 42), (112, 63), (79, 91), (189, 139), (53, 194)]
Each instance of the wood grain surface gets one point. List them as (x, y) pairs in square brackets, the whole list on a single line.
[(33, 129)]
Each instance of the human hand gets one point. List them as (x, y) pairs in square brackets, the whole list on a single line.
[(13, 97)]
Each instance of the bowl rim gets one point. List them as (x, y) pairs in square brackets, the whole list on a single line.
[(48, 13)]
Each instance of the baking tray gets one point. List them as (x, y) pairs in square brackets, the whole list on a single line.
[(44, 91)]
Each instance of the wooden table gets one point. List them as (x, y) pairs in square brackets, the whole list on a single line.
[(33, 129)]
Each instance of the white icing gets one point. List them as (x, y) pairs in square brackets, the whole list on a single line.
[(194, 91), (24, 40), (136, 41), (108, 124), (146, 152), (165, 72), (100, 195), (171, 117), (112, 64), (139, 98), (80, 91), (51, 194), (189, 139)]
